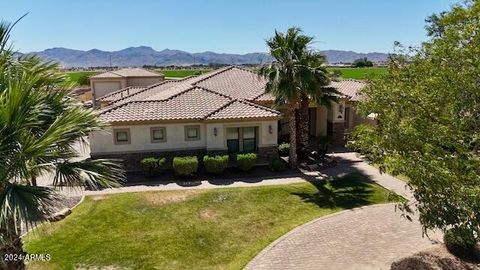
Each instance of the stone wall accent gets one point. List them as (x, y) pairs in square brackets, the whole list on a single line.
[(265, 153), (131, 161), (338, 133)]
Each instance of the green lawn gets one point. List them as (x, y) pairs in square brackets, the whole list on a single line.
[(190, 229), (181, 73), (361, 73), (73, 76)]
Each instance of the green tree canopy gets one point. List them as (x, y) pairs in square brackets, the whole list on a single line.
[(362, 62), (428, 108)]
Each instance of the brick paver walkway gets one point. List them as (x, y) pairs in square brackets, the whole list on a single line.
[(363, 238)]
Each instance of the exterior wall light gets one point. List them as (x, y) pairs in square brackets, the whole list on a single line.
[(215, 131), (270, 129)]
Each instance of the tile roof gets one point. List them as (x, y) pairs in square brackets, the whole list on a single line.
[(235, 82), (243, 109), (349, 88), (192, 104), (127, 72), (221, 94), (119, 94)]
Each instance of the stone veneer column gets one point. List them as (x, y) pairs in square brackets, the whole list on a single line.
[(265, 153), (338, 131)]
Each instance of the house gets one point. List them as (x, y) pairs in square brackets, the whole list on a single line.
[(223, 111), (104, 83)]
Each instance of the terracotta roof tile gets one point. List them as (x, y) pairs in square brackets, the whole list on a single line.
[(235, 82), (349, 88), (241, 110), (195, 103), (220, 94)]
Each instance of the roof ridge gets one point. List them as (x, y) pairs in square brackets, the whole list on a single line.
[(258, 106), (112, 71), (114, 93), (145, 89), (214, 73), (219, 109), (214, 92)]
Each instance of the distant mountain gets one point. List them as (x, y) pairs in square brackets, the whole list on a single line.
[(139, 56)]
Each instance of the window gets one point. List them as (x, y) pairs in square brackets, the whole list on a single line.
[(121, 136), (242, 139), (249, 140), (192, 133), (233, 140), (158, 134)]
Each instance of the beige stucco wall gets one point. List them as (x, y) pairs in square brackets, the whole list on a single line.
[(321, 125), (102, 142), (138, 81), (101, 87), (140, 141)]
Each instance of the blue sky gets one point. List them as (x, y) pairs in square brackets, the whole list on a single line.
[(231, 26)]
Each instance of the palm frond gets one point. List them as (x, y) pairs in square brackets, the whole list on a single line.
[(22, 204), (98, 173)]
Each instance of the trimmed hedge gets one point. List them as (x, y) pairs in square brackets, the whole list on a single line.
[(245, 162), (152, 166), (276, 164), (462, 243), (284, 149), (185, 166), (216, 164)]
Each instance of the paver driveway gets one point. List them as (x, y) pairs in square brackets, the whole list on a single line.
[(371, 237)]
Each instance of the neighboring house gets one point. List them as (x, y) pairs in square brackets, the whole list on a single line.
[(110, 81), (223, 111)]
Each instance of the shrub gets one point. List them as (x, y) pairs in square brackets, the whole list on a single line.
[(245, 162), (284, 149), (216, 164), (185, 166), (152, 166), (462, 243), (276, 164)]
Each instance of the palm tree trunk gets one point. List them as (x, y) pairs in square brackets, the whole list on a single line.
[(11, 246), (303, 124), (293, 136)]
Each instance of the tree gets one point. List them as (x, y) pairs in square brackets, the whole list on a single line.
[(39, 124), (83, 79), (362, 62), (428, 108), (297, 77)]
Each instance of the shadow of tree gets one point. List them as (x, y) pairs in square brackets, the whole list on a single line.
[(349, 191)]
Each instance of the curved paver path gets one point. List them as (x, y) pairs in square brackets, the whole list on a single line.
[(363, 238)]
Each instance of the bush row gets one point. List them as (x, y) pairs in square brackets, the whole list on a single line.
[(187, 166)]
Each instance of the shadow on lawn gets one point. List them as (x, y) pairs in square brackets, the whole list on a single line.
[(349, 191)]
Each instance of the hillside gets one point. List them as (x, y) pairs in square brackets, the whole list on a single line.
[(139, 56)]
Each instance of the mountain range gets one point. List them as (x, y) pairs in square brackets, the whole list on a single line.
[(143, 55)]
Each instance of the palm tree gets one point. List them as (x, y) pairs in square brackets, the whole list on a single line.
[(297, 76), (40, 123)]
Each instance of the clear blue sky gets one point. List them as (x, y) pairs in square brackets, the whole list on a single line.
[(234, 26)]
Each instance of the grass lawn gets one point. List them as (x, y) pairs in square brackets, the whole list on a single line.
[(190, 229), (361, 73), (73, 76), (182, 73)]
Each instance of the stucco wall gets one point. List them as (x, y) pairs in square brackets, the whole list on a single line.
[(138, 81), (140, 141), (322, 113), (101, 87)]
